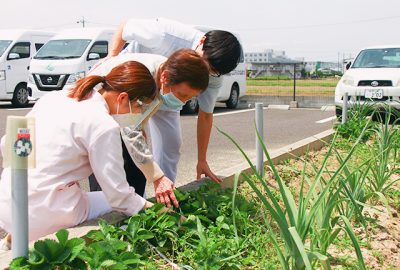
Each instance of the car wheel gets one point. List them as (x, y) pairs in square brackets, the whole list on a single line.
[(191, 106), (20, 96), (233, 100), (338, 112)]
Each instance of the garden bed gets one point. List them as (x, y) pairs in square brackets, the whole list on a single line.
[(336, 208)]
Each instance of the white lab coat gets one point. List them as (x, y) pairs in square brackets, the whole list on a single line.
[(73, 140)]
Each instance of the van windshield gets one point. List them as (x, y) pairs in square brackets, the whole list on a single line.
[(4, 45), (63, 49), (378, 58)]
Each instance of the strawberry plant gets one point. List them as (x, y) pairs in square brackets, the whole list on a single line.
[(51, 254)]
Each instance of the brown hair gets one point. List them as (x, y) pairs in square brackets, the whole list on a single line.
[(131, 77), (187, 66)]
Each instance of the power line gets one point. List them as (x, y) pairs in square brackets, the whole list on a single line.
[(55, 26), (322, 25), (99, 23)]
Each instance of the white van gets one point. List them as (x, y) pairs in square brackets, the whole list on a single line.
[(373, 77), (233, 84), (17, 47), (66, 58)]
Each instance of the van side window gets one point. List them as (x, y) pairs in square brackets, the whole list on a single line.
[(100, 47), (38, 46), (22, 48)]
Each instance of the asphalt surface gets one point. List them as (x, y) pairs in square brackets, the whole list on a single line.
[(281, 127)]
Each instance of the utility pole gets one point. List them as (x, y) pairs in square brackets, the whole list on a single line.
[(338, 61), (82, 22), (343, 64)]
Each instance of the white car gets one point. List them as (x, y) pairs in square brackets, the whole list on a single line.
[(17, 46), (66, 58), (373, 77)]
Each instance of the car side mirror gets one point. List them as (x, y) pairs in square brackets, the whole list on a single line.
[(13, 56), (94, 56), (348, 65)]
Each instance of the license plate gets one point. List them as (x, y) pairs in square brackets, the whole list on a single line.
[(374, 93)]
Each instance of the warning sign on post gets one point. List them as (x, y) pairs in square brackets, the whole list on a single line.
[(23, 145)]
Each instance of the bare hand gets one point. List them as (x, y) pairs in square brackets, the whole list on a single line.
[(204, 169), (147, 205), (164, 189)]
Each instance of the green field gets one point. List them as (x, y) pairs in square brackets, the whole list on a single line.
[(305, 87)]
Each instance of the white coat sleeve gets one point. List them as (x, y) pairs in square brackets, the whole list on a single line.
[(141, 155), (105, 155), (149, 33)]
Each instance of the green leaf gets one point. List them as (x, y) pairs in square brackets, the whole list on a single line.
[(300, 248), (35, 258), (118, 244), (144, 234), (95, 235), (180, 195), (62, 236), (78, 264), (112, 265), (52, 251), (353, 238), (76, 245), (19, 263), (321, 258)]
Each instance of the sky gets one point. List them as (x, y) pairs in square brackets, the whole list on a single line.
[(317, 30)]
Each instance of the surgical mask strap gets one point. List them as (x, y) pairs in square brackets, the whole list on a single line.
[(130, 107)]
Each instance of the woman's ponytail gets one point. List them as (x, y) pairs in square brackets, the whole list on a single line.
[(84, 87), (131, 77)]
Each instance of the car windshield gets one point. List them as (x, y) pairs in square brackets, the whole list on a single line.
[(63, 49), (4, 45), (378, 58)]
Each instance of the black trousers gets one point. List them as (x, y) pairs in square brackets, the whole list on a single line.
[(134, 176)]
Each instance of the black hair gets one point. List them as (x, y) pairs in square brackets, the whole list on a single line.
[(222, 50)]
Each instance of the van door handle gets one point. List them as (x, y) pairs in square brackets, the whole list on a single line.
[(27, 67)]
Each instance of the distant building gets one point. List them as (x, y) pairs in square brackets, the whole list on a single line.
[(272, 63), (324, 67)]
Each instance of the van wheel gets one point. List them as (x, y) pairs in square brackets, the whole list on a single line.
[(20, 96), (191, 106), (338, 112), (233, 100)]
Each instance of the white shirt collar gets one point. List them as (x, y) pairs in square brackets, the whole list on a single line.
[(97, 97)]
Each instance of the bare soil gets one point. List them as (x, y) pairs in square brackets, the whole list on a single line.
[(381, 243)]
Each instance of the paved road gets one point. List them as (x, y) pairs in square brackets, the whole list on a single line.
[(280, 128)]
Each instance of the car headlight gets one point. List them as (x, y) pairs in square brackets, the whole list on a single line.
[(398, 83), (74, 77), (347, 80), (31, 79), (2, 75)]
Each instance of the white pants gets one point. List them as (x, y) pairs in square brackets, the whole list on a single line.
[(166, 140), (98, 204)]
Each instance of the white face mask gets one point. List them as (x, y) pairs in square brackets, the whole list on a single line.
[(126, 119)]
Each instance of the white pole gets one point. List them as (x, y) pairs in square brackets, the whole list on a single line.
[(344, 111), (260, 129), (20, 146)]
